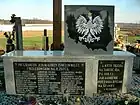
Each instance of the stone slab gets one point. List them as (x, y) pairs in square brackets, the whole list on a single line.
[(91, 69), (81, 34)]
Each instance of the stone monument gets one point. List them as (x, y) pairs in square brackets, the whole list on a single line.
[(89, 29), (81, 73), (51, 74)]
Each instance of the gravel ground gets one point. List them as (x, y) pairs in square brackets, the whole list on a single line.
[(98, 99)]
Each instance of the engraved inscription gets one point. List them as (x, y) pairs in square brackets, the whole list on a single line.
[(50, 78), (110, 75)]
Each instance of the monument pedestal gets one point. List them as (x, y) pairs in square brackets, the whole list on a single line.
[(51, 73)]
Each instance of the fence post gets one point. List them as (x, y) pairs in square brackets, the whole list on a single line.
[(45, 41)]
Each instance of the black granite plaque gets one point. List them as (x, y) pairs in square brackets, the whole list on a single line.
[(110, 75), (89, 29), (2, 80), (49, 78)]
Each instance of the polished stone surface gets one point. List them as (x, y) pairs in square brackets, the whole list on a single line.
[(34, 53), (57, 53), (91, 73)]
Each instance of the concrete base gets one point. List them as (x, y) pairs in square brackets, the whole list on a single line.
[(91, 67)]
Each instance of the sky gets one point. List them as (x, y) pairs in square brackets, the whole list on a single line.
[(127, 11)]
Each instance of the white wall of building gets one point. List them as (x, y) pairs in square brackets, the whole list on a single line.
[(29, 27)]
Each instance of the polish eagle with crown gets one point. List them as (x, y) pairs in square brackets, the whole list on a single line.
[(90, 29)]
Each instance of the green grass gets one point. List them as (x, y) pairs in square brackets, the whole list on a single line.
[(37, 41), (2, 43), (132, 39), (29, 42)]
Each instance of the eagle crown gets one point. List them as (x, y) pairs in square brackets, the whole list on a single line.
[(90, 15)]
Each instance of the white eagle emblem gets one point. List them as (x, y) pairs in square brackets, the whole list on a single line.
[(89, 29)]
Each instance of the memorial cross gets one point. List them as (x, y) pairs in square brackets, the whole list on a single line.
[(57, 16)]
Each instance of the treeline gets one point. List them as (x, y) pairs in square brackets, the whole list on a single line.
[(27, 21), (129, 25)]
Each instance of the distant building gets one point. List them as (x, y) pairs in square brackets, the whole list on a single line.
[(28, 27), (38, 24)]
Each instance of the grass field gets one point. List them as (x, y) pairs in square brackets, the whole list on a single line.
[(132, 39), (31, 39), (2, 43)]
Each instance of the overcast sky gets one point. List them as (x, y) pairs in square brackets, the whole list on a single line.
[(125, 10)]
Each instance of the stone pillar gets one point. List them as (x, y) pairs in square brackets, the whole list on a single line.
[(45, 41), (18, 29)]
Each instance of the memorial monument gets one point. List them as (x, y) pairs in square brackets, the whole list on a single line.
[(65, 73), (89, 29)]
